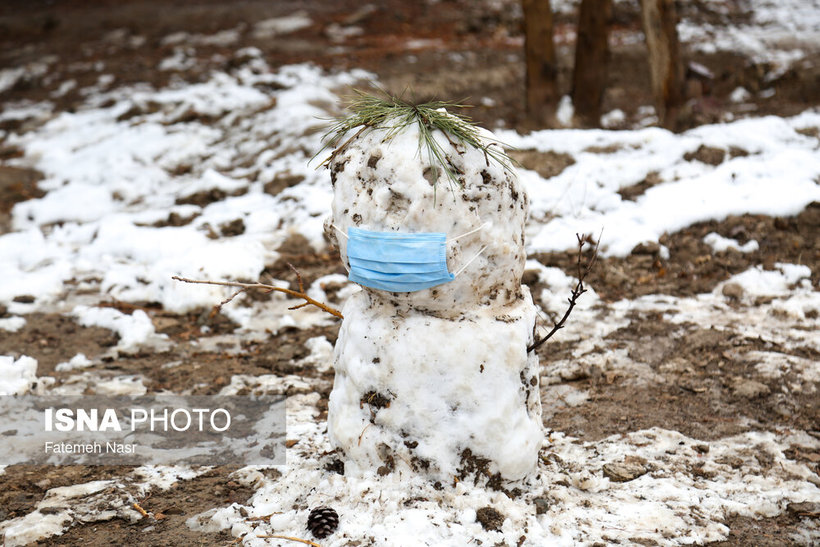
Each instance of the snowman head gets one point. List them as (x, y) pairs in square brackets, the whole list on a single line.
[(438, 231)]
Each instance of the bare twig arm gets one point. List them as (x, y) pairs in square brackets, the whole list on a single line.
[(267, 288), (276, 536), (577, 291)]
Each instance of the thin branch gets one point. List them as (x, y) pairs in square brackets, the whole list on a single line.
[(298, 277), (218, 307), (305, 541), (341, 148), (362, 433), (577, 291), (139, 508), (267, 288)]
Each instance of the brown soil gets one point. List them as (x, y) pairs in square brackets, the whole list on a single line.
[(773, 532), (483, 46), (168, 512), (16, 184), (701, 395), (692, 266)]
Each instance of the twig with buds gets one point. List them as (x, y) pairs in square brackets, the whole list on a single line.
[(577, 291), (243, 287)]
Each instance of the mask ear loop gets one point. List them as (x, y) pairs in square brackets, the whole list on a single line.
[(346, 237), (469, 261), (471, 232), (340, 231)]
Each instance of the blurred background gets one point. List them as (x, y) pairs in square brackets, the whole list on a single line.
[(736, 57)]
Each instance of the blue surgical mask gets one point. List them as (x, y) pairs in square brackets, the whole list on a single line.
[(397, 261)]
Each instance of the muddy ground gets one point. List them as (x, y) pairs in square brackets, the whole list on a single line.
[(702, 397)]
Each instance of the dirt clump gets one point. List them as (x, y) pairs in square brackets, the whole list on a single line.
[(706, 154), (693, 267), (547, 164), (489, 518)]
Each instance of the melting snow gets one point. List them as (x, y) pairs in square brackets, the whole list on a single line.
[(116, 174)]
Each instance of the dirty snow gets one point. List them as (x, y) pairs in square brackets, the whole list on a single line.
[(117, 170), (78, 361), (95, 501), (17, 375), (776, 178), (585, 506), (134, 330)]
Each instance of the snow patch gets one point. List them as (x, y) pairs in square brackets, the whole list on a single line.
[(17, 376), (781, 281), (719, 244), (134, 330), (777, 178), (566, 111), (12, 324), (78, 361)]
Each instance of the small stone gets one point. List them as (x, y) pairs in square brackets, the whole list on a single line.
[(707, 155), (629, 469), (291, 352), (281, 182), (749, 389), (783, 409), (233, 228), (733, 291), (646, 248), (335, 466), (4, 311), (701, 448), (574, 372), (490, 518), (24, 299), (805, 508), (542, 505)]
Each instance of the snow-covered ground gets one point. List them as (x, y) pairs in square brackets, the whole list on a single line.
[(131, 156)]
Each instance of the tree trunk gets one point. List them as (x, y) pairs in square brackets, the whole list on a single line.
[(540, 62), (591, 60), (666, 70)]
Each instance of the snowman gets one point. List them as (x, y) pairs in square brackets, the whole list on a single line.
[(431, 365)]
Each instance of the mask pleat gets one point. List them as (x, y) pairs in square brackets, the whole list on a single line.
[(397, 262), (405, 276), (395, 267)]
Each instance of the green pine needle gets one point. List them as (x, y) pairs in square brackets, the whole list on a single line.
[(371, 112)]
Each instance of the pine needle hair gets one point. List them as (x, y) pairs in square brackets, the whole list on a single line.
[(370, 112)]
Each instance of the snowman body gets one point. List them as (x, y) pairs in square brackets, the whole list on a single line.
[(437, 378)]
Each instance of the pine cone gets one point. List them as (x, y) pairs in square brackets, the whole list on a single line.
[(322, 521)]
